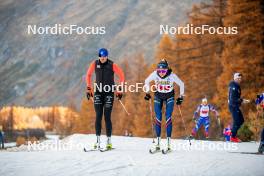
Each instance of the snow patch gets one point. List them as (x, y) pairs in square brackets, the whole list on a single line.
[(131, 157)]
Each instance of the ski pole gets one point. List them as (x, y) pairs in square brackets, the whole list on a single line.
[(184, 124), (124, 107), (219, 126), (151, 119)]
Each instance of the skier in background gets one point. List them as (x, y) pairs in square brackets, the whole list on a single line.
[(203, 112), (260, 101), (103, 100), (164, 81), (260, 108), (227, 132), (234, 103), (2, 137)]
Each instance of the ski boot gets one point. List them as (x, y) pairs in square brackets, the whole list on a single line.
[(109, 144), (168, 149), (156, 147), (97, 144), (235, 139)]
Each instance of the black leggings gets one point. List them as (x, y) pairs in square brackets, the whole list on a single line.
[(238, 119), (103, 104)]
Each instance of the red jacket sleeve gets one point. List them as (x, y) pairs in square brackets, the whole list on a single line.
[(89, 74), (117, 70)]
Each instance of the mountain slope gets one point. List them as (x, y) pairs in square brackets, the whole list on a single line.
[(47, 69)]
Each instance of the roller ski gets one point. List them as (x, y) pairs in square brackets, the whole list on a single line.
[(166, 151), (96, 146), (107, 148), (155, 149)]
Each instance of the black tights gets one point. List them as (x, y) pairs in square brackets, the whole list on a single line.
[(103, 104)]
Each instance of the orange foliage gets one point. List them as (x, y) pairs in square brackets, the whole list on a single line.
[(57, 118)]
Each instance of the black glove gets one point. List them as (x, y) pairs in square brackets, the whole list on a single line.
[(147, 97), (119, 95), (89, 93), (179, 101)]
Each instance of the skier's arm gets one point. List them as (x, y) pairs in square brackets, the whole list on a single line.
[(89, 74), (179, 82), (119, 72), (197, 111), (150, 78)]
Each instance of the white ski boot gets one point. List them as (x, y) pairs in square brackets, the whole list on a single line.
[(109, 144), (98, 142), (156, 148)]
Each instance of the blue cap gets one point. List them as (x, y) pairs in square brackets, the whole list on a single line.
[(103, 52), (163, 64)]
